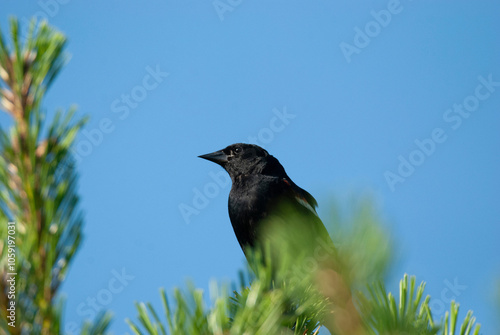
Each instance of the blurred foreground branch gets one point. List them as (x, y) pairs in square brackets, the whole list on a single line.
[(307, 286)]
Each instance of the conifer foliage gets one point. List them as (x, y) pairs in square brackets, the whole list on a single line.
[(38, 190), (300, 296)]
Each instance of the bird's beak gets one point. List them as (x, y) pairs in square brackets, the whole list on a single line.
[(218, 157)]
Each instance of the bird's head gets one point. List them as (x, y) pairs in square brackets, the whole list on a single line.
[(245, 159)]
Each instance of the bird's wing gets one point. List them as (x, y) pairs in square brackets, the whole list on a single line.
[(305, 206), (301, 196)]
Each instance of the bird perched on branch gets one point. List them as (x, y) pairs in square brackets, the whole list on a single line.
[(263, 194)]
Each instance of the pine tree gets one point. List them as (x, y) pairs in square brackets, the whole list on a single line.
[(38, 193)]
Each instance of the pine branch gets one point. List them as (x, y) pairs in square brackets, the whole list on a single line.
[(38, 181)]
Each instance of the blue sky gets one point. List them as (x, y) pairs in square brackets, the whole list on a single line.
[(399, 100)]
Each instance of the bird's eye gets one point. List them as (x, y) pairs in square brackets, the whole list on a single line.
[(237, 150)]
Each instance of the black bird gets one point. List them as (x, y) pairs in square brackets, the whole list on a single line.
[(261, 188)]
